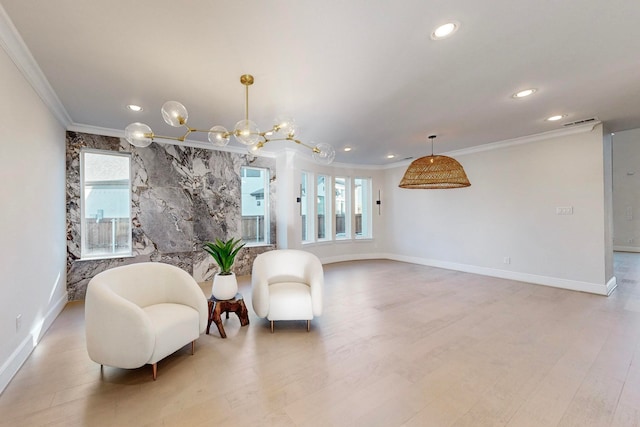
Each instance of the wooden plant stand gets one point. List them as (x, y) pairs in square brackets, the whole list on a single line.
[(218, 307)]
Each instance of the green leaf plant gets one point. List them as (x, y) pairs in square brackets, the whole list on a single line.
[(224, 253)]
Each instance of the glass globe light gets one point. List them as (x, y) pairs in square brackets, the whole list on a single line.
[(286, 125), (325, 153), (138, 134), (219, 136), (174, 113), (247, 132)]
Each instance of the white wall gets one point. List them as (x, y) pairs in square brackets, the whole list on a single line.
[(32, 218), (510, 212), (626, 190), (290, 165)]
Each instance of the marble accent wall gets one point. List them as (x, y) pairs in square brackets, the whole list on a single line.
[(181, 197)]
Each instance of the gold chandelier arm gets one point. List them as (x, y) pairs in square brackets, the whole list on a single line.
[(289, 138), (174, 138), (297, 141), (171, 138), (224, 134)]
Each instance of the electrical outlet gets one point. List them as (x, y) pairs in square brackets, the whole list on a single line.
[(506, 260), (18, 322)]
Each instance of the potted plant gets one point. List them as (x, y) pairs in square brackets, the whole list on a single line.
[(225, 285)]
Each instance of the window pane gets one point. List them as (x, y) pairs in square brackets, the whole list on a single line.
[(307, 225), (362, 206), (255, 205), (322, 203), (343, 219), (106, 204)]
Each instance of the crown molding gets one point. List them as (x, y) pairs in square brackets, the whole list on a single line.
[(12, 43), (526, 139), (509, 142)]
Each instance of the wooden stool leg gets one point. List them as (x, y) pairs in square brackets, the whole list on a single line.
[(210, 316), (218, 321), (243, 313)]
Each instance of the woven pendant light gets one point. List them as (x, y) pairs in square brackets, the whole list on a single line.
[(433, 172)]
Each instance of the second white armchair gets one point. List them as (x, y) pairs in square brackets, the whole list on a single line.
[(287, 284)]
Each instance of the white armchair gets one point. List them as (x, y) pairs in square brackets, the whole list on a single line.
[(140, 313), (287, 284)]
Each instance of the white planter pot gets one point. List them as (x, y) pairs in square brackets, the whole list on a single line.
[(224, 287)]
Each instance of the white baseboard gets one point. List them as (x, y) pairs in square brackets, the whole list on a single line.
[(352, 257), (20, 355), (611, 285), (574, 285)]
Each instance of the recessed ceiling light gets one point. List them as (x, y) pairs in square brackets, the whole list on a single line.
[(524, 93), (347, 149), (390, 156), (556, 117), (445, 30), (134, 107)]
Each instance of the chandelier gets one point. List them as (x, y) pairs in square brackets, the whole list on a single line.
[(245, 131), (432, 172)]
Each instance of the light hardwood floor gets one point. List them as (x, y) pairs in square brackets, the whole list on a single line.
[(398, 345)]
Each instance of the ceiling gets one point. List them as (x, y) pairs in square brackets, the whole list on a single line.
[(359, 73)]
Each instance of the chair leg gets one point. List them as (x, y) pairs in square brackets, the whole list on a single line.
[(155, 370), (308, 325), (193, 347), (272, 326)]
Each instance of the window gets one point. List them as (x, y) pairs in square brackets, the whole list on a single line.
[(324, 224), (337, 208), (343, 217), (362, 207), (255, 205), (305, 208), (105, 187)]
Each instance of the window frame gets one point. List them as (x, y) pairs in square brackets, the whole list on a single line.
[(367, 207), (265, 205), (348, 233), (328, 209), (84, 255), (307, 207)]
